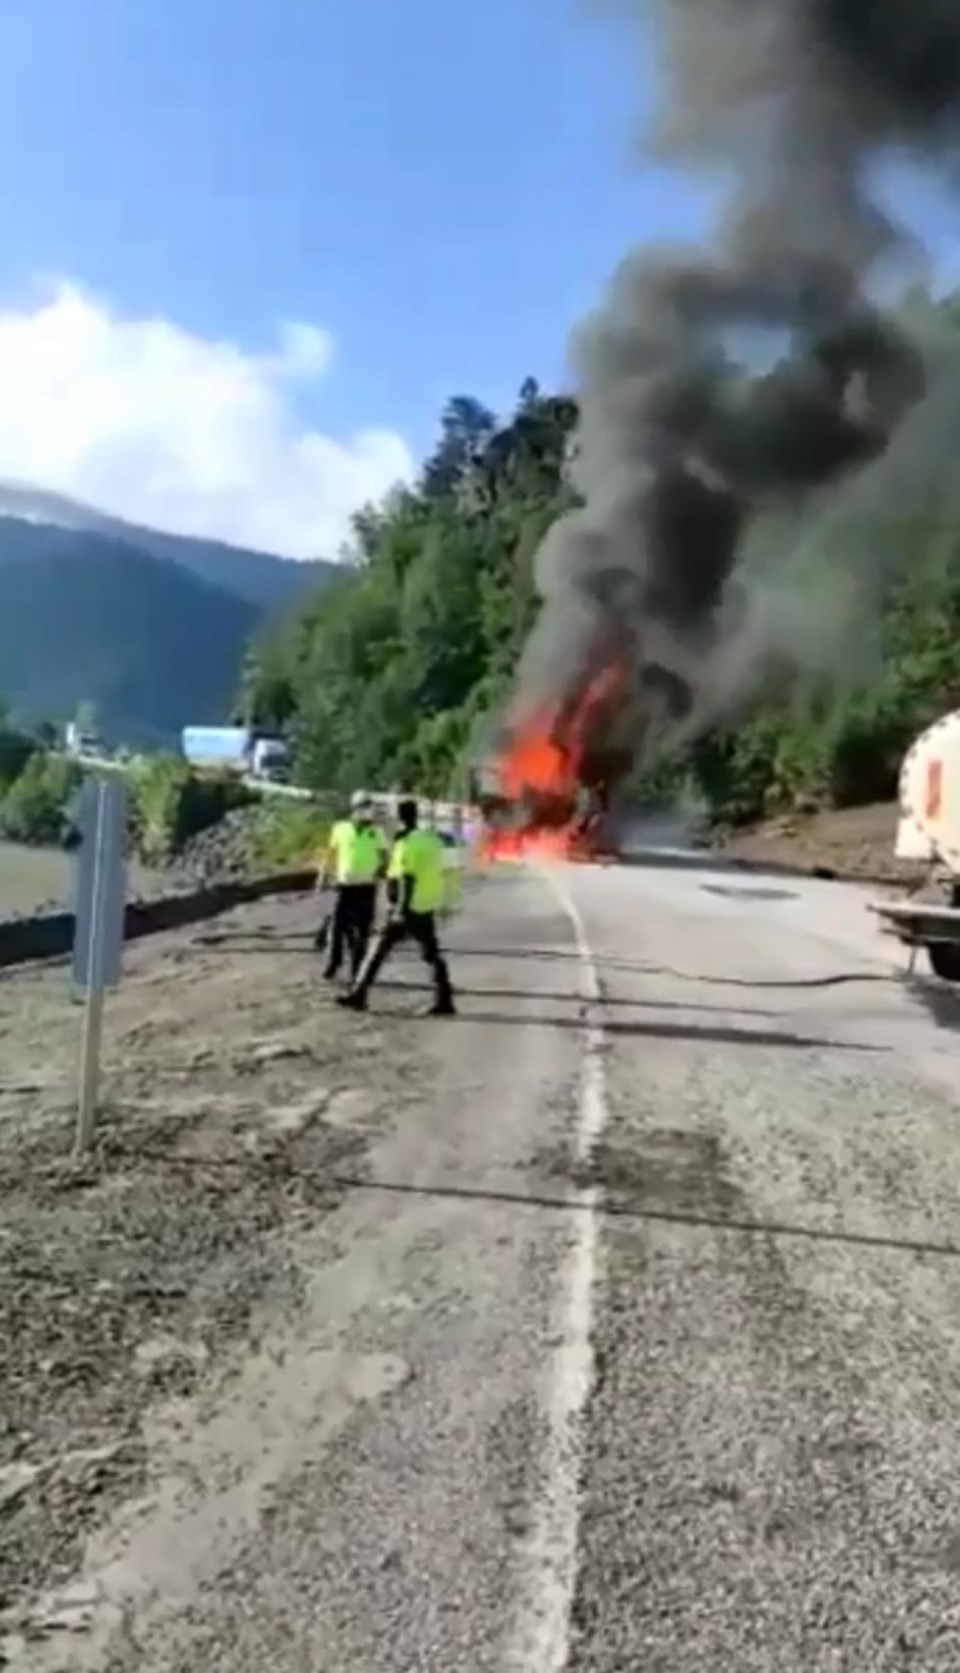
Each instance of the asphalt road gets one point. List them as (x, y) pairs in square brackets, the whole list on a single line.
[(635, 1344), (771, 1480)]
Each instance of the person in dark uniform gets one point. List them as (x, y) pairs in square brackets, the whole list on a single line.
[(416, 890), (355, 859)]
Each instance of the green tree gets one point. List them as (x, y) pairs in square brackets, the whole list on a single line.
[(465, 429), (15, 751), (34, 807)]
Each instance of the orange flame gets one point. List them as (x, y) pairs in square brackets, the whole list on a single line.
[(542, 776)]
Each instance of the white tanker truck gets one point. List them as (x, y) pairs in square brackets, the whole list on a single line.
[(929, 832)]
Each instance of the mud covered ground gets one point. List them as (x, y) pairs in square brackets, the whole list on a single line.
[(124, 1274)]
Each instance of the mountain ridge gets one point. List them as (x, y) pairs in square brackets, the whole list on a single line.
[(265, 578), (150, 628)]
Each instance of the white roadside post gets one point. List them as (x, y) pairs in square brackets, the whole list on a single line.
[(100, 887)]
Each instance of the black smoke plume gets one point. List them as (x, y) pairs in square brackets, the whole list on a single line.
[(679, 447)]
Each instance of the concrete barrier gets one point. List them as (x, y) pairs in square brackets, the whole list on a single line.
[(50, 935)]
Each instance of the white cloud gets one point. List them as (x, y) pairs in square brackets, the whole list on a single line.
[(140, 418)]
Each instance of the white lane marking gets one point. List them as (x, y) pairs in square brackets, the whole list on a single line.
[(542, 1642)]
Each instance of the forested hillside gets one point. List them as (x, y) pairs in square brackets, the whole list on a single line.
[(150, 628), (87, 619), (388, 675), (385, 675)]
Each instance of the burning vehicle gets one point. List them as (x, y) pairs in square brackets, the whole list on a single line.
[(550, 789), (554, 781)]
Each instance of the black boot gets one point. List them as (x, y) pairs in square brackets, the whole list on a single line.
[(443, 1005), (355, 1000)]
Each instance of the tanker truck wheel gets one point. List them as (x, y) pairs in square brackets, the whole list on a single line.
[(944, 959)]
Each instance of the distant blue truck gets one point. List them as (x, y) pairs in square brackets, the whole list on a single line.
[(238, 749)]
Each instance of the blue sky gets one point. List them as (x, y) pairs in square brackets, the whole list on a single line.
[(444, 186)]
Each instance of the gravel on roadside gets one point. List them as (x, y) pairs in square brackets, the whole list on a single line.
[(126, 1275)]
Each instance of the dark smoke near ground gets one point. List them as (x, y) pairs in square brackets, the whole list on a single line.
[(679, 448)]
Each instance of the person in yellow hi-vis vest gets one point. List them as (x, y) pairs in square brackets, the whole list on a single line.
[(355, 859), (416, 884)]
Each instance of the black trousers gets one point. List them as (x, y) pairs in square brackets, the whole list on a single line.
[(351, 921), (420, 927)]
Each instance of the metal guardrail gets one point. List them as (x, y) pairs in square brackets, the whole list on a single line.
[(432, 811), (273, 787), (49, 935), (109, 764)]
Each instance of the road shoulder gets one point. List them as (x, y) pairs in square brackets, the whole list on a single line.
[(298, 1300)]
